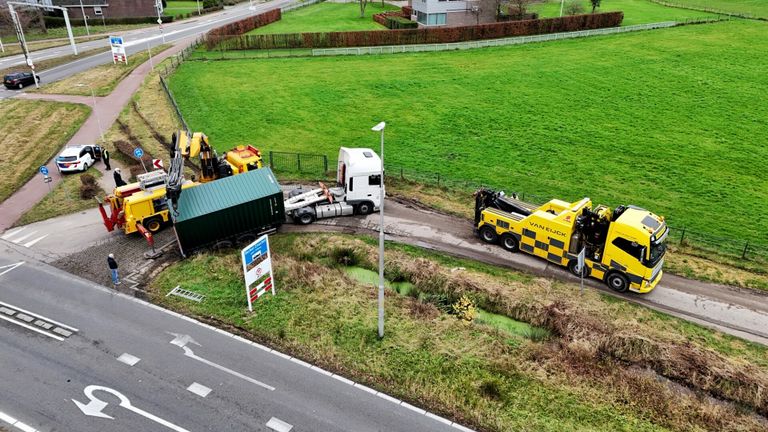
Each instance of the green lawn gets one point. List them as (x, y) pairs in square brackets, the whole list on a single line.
[(326, 17), (672, 120), (63, 199), (181, 7), (758, 8), (635, 11)]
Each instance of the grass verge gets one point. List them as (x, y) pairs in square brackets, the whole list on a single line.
[(102, 79), (608, 366), (13, 49), (635, 11), (62, 200), (42, 65), (31, 132), (327, 17), (634, 118), (756, 8)]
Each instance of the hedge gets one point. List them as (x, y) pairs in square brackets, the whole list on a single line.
[(54, 22), (202, 12), (239, 28), (229, 39), (398, 22)]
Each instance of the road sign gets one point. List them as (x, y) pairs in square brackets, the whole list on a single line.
[(257, 270), (159, 21), (138, 152), (47, 179), (44, 170), (157, 163), (115, 40), (118, 49)]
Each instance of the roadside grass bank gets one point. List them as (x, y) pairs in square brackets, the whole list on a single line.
[(606, 365), (62, 200), (94, 27), (102, 79), (42, 65), (14, 48), (31, 133), (327, 17), (634, 118), (635, 11)]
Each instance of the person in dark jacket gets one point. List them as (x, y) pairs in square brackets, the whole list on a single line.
[(105, 156), (113, 269), (118, 179)]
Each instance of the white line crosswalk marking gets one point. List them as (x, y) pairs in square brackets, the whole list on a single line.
[(31, 243)]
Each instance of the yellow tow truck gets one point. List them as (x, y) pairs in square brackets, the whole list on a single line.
[(623, 247), (145, 202)]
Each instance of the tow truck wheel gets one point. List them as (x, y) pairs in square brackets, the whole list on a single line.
[(509, 242), (488, 234), (364, 208), (572, 267), (153, 225), (306, 219), (617, 282)]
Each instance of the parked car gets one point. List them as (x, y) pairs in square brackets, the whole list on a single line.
[(19, 80), (78, 158)]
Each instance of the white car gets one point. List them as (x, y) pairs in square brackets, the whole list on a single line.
[(78, 158)]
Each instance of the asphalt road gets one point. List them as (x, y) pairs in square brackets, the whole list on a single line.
[(135, 41), (154, 370)]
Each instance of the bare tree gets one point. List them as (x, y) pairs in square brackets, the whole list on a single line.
[(363, 4), (574, 7), (595, 5), (518, 8)]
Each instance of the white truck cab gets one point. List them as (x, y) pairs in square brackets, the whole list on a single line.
[(358, 190)]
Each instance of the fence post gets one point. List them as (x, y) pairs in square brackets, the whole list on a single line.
[(325, 164), (682, 236), (744, 253), (298, 161), (271, 163), (401, 174), (438, 179)]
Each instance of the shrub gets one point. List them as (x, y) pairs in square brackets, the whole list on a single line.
[(398, 22), (574, 7), (464, 309)]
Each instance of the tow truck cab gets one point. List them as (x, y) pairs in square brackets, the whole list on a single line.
[(359, 174)]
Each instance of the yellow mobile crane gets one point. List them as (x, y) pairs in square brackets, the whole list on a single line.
[(146, 201), (624, 248)]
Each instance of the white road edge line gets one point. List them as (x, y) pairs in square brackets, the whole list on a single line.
[(39, 316), (16, 423), (278, 425), (34, 329), (128, 359), (275, 352)]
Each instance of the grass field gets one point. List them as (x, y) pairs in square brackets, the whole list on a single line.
[(671, 120), (757, 8), (326, 17), (635, 11), (181, 7), (31, 132), (102, 79), (593, 373), (63, 199)]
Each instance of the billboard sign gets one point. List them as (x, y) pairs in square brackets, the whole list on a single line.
[(257, 270)]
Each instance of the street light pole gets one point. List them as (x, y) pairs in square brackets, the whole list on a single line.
[(198, 8), (380, 128), (95, 111), (85, 18), (562, 2)]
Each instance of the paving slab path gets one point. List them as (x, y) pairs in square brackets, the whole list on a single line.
[(105, 111)]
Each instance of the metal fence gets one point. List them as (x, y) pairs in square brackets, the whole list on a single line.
[(299, 5), (705, 9), (315, 164)]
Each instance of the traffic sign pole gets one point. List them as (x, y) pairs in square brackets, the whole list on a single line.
[(138, 152)]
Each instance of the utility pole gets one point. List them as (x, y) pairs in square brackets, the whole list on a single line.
[(46, 7), (23, 42), (85, 18), (159, 8), (380, 128)]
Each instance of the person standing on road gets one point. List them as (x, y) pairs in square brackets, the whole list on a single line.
[(118, 179), (105, 156), (113, 269)]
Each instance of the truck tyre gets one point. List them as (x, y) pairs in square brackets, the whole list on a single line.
[(364, 208), (295, 192), (617, 282), (305, 219), (509, 242), (488, 234), (222, 244), (153, 225), (246, 239), (572, 264)]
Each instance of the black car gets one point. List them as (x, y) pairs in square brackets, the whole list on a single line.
[(19, 80)]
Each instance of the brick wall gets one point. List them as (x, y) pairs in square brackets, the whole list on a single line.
[(115, 9)]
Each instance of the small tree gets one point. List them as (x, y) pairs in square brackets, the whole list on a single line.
[(363, 4), (595, 5), (519, 8), (574, 8)]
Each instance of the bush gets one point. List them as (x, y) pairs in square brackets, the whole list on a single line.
[(464, 309), (54, 22), (574, 7), (397, 22)]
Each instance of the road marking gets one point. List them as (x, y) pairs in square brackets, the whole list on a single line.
[(182, 341), (38, 315), (95, 405), (278, 425), (128, 359), (199, 389), (30, 243), (29, 327), (24, 237), (16, 423), (12, 233)]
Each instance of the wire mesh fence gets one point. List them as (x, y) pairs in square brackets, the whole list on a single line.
[(315, 164)]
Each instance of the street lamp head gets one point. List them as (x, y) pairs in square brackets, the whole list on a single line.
[(379, 127)]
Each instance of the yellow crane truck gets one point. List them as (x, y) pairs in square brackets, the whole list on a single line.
[(623, 247), (145, 202)]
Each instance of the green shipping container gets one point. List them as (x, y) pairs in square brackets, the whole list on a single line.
[(228, 211)]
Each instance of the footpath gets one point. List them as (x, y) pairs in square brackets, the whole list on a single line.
[(105, 111)]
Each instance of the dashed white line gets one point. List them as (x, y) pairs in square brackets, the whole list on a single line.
[(278, 425), (29, 327), (128, 359), (24, 237), (39, 316), (199, 389)]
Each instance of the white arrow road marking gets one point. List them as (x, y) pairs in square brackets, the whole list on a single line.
[(10, 267), (182, 341), (278, 425), (95, 405), (30, 243)]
